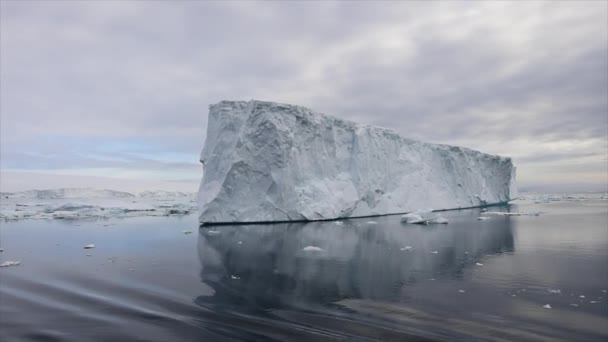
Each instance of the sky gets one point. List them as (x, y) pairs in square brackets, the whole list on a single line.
[(115, 94)]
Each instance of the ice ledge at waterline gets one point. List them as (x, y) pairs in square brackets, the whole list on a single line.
[(266, 162)]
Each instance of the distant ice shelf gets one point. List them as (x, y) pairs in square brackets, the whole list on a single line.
[(79, 203), (271, 162)]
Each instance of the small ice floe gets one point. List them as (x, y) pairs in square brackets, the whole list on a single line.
[(581, 296), (234, 277), (462, 291), (575, 305), (186, 231), (432, 279), (555, 291), (479, 264), (547, 306), (10, 263), (213, 232), (240, 242), (483, 218), (602, 290), (406, 248), (593, 302), (312, 249), (423, 217), (339, 223), (89, 246), (372, 222), (513, 295), (435, 252)]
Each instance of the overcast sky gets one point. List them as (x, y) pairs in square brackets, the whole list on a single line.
[(102, 92)]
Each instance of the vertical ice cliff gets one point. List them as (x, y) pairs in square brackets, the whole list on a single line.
[(266, 161)]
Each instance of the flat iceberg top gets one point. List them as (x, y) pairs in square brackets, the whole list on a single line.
[(268, 162)]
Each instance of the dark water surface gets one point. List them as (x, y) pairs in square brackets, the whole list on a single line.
[(148, 281)]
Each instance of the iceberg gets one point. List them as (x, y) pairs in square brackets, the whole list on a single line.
[(272, 162)]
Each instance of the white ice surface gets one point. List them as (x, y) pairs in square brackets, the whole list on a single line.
[(266, 161), (92, 204)]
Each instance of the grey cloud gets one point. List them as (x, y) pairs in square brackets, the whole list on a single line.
[(485, 73)]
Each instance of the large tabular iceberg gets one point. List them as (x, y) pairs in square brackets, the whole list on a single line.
[(269, 162)]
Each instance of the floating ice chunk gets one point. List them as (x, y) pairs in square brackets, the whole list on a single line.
[(479, 264), (339, 223), (582, 296), (406, 248), (187, 231), (483, 218), (555, 291), (604, 291), (312, 249), (411, 218), (372, 222), (576, 305), (435, 252), (424, 216), (240, 242), (89, 246), (547, 306), (462, 291), (593, 302), (235, 277), (10, 263), (213, 232)]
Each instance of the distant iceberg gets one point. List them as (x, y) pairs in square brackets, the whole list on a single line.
[(269, 162)]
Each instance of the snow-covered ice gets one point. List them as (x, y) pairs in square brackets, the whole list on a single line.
[(547, 306), (267, 161)]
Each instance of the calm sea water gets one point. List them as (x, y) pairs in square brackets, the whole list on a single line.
[(146, 280)]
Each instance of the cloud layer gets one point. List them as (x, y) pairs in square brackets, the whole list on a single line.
[(124, 86)]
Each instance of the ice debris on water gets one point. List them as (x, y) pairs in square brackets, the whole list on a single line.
[(213, 232), (406, 248), (547, 306), (582, 296), (483, 218), (593, 302), (235, 277), (339, 223), (10, 263), (462, 291), (372, 222), (423, 216), (187, 231), (89, 246), (575, 305), (555, 291), (435, 252), (312, 249), (479, 264)]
